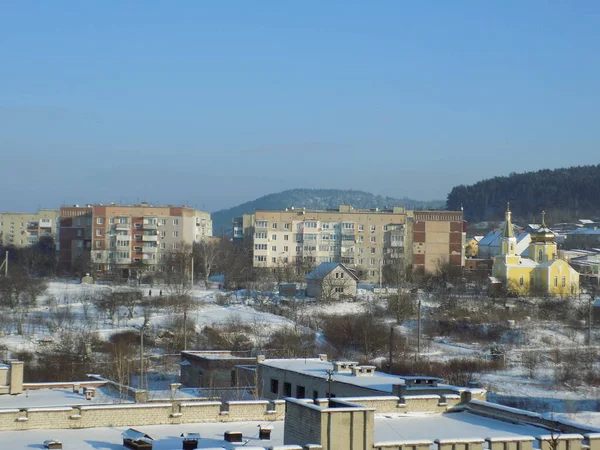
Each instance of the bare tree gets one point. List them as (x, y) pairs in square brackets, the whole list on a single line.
[(208, 254)]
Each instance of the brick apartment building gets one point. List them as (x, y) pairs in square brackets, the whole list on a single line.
[(22, 229), (358, 238), (438, 237), (109, 238)]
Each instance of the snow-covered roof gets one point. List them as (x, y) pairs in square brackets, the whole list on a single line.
[(58, 397), (583, 231), (315, 367), (457, 425), (323, 269), (524, 262), (389, 427)]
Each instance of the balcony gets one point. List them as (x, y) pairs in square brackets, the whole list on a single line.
[(123, 261), (149, 226), (150, 238), (149, 249), (123, 226)]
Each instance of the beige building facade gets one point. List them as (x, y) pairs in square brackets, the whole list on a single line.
[(22, 229), (363, 240), (119, 236)]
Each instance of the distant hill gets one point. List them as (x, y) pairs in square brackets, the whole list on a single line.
[(314, 199), (565, 194)]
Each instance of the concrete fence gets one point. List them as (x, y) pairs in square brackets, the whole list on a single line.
[(109, 415)]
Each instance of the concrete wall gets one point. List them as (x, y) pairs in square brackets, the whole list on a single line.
[(11, 377)]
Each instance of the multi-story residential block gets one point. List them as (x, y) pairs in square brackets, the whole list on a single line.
[(21, 229), (359, 239), (365, 239), (438, 238), (115, 237)]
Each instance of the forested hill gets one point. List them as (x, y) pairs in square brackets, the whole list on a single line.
[(565, 194), (314, 199)]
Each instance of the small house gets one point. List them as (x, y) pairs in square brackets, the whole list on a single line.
[(331, 281)]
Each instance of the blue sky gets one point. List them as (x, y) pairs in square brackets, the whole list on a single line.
[(216, 103)]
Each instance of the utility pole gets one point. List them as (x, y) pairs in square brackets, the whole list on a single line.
[(192, 272), (185, 328), (141, 383), (391, 343), (419, 327)]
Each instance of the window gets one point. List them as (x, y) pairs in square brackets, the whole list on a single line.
[(260, 258), (531, 280), (260, 246), (361, 239), (348, 226), (175, 221), (175, 234), (361, 228), (371, 273), (564, 281), (310, 224), (273, 248), (342, 275), (163, 234), (273, 237), (372, 261), (112, 220), (555, 281), (175, 246), (273, 259), (274, 386), (339, 290), (325, 226), (372, 239), (361, 250), (100, 220), (521, 281), (260, 235), (163, 221), (372, 250), (384, 228), (138, 237), (540, 255), (122, 219), (372, 228), (137, 249), (274, 226), (98, 244), (262, 224), (98, 232), (287, 389), (98, 255), (285, 248), (78, 222), (286, 237), (163, 245), (315, 395), (138, 225), (298, 248), (286, 226), (300, 392), (79, 233)]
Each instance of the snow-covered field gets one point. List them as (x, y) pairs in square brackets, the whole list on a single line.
[(215, 307)]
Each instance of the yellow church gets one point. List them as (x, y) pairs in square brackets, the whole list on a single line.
[(542, 272)]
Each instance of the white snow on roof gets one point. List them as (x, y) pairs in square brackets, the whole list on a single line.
[(166, 437), (458, 425), (57, 397), (315, 367), (392, 427)]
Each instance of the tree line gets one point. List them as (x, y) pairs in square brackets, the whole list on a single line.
[(564, 194)]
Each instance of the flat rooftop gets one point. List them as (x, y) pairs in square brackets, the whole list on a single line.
[(166, 437), (58, 397), (216, 355), (453, 425), (315, 367), (388, 428)]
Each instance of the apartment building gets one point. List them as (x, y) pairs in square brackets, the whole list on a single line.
[(438, 237), (365, 239), (111, 238), (358, 238), (22, 229)]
